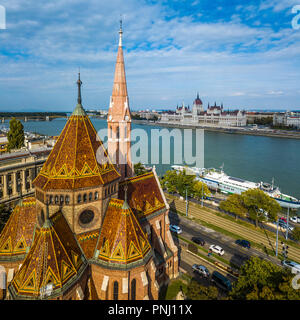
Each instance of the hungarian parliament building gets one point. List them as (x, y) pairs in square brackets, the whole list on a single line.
[(214, 116)]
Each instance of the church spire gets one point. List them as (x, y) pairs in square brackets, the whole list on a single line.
[(120, 34), (79, 111)]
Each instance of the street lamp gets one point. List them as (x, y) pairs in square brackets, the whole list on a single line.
[(287, 225), (277, 237)]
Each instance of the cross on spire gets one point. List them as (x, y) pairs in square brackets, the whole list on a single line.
[(79, 83)]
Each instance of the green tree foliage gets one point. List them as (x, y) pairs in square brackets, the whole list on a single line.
[(15, 134), (253, 203), (196, 291), (234, 204), (262, 280), (296, 233), (182, 182), (258, 203), (139, 169)]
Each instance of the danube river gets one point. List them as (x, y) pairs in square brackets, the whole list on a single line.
[(253, 158)]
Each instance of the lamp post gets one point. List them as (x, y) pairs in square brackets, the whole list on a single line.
[(277, 237), (287, 225), (202, 195), (186, 203)]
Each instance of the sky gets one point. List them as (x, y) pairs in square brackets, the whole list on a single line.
[(244, 54)]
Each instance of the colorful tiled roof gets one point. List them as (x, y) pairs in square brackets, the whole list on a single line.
[(78, 158), (144, 195), (88, 241), (55, 257), (121, 239), (16, 237)]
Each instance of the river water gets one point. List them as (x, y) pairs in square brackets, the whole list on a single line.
[(253, 158)]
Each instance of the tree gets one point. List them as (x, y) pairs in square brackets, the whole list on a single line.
[(200, 189), (262, 280), (258, 203), (296, 233), (234, 204), (15, 134), (196, 291), (168, 181), (139, 169)]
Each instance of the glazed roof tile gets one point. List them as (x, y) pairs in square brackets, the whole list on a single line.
[(16, 237), (77, 160), (55, 257), (121, 239)]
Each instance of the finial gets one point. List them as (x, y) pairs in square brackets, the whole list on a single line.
[(125, 204), (47, 223), (120, 32), (79, 83)]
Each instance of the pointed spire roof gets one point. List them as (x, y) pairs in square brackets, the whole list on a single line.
[(119, 104), (55, 258), (78, 158), (121, 240)]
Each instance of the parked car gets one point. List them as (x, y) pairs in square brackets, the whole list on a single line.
[(295, 267), (295, 219), (221, 281), (202, 270), (282, 219), (175, 228), (198, 241), (217, 249), (243, 243), (284, 225)]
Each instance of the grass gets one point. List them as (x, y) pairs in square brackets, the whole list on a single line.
[(170, 291)]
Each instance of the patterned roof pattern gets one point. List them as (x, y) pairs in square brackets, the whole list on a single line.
[(16, 237), (77, 160), (121, 239), (144, 196), (88, 241), (54, 257)]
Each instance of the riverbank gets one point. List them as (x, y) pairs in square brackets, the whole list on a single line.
[(232, 130)]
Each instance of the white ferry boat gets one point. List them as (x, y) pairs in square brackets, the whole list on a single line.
[(217, 179)]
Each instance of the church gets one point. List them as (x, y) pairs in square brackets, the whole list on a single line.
[(94, 230)]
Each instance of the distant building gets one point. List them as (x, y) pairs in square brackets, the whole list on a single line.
[(287, 119), (213, 116)]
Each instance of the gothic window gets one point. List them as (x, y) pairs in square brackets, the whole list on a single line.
[(51, 199), (61, 199), (90, 196), (118, 132), (56, 199), (96, 195), (116, 290), (79, 198), (85, 198), (133, 289), (67, 199)]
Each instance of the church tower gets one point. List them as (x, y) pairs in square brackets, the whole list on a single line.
[(119, 118)]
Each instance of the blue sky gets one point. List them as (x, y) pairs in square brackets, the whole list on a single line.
[(242, 53)]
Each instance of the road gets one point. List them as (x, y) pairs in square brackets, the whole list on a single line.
[(264, 238)]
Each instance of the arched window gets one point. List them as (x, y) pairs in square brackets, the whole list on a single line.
[(79, 198), (61, 199), (67, 199), (85, 198), (51, 199), (96, 195), (133, 289), (90, 196), (56, 199), (116, 290), (118, 132)]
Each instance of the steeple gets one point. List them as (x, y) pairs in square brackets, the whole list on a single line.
[(79, 111), (119, 118)]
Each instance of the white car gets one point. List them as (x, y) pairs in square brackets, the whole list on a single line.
[(175, 228), (217, 249), (295, 219), (295, 267)]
